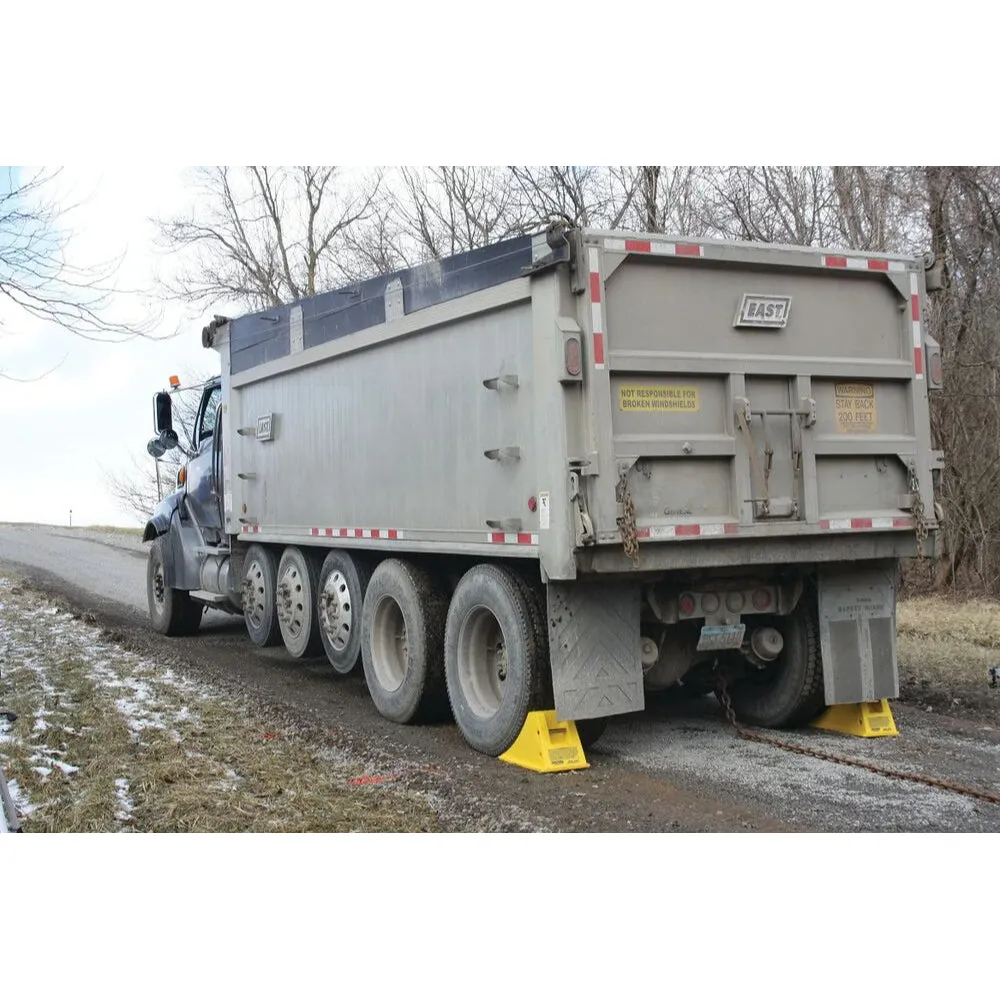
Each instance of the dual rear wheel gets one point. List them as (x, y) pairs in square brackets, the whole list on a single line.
[(483, 654)]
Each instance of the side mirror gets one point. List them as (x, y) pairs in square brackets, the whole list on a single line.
[(163, 419), (162, 443)]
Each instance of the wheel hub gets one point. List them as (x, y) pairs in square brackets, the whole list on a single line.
[(252, 593), (484, 662), (335, 610), (159, 589), (289, 602)]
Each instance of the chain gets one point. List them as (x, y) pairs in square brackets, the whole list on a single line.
[(626, 523), (918, 511), (886, 772)]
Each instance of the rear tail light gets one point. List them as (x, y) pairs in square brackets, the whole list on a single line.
[(686, 604), (761, 600), (573, 356)]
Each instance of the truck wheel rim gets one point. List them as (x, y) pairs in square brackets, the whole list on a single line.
[(336, 611), (482, 662), (388, 644), (254, 593), (292, 609), (159, 588)]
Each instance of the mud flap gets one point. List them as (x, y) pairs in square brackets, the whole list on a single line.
[(857, 629), (594, 649)]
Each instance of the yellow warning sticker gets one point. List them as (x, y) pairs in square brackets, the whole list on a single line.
[(855, 402), (658, 398)]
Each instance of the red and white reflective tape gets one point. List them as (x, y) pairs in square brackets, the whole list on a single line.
[(512, 538), (250, 529), (918, 340), (660, 531), (867, 523), (597, 320), (656, 247), (390, 533), (864, 264)]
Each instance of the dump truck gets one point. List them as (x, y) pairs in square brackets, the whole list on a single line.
[(567, 472)]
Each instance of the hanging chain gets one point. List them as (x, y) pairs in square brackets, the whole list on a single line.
[(919, 515), (885, 772), (626, 523)]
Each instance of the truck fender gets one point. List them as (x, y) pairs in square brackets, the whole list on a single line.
[(159, 523)]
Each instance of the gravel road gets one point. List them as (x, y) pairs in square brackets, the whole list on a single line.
[(678, 766)]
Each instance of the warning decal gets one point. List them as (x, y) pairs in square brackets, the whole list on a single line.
[(855, 402), (658, 398)]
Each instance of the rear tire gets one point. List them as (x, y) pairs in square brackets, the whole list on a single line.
[(340, 594), (260, 612), (790, 692), (298, 578), (402, 635), (590, 731), (171, 612), (491, 658)]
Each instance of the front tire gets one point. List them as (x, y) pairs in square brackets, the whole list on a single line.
[(491, 658), (171, 612)]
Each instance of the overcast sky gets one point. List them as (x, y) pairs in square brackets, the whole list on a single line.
[(94, 412)]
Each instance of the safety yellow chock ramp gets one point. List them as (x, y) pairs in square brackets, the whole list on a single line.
[(546, 745), (870, 718)]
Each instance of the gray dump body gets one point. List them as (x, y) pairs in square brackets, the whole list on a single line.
[(755, 404)]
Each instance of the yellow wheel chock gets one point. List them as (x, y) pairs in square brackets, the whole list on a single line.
[(871, 718), (546, 745)]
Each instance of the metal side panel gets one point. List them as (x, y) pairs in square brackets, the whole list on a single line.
[(857, 627), (594, 649)]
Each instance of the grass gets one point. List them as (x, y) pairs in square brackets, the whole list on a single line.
[(946, 646), (107, 741)]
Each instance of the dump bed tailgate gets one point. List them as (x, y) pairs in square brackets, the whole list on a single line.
[(740, 390)]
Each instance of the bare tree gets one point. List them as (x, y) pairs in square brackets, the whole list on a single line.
[(36, 270), (582, 196), (657, 199), (261, 236)]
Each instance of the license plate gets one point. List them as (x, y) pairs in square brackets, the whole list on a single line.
[(721, 637)]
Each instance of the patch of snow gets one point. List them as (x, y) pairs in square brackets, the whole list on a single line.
[(43, 771), (6, 736), (21, 801), (126, 807), (45, 756)]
